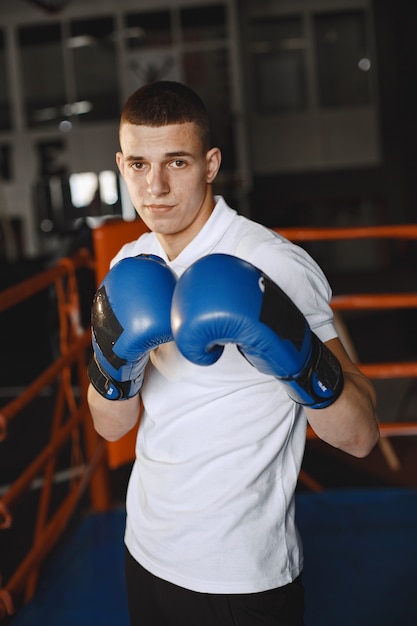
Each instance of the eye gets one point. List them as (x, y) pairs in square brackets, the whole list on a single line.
[(178, 163), (137, 165)]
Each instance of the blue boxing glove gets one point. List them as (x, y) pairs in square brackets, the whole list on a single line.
[(130, 317), (221, 299)]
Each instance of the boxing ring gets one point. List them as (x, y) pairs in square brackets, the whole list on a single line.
[(71, 425), (367, 302)]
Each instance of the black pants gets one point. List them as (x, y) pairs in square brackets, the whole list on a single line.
[(156, 602)]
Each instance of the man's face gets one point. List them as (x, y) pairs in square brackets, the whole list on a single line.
[(168, 174)]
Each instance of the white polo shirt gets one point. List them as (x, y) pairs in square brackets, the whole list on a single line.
[(210, 502)]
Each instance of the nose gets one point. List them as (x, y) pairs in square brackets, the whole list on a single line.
[(157, 181)]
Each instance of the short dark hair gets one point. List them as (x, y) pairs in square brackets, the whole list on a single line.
[(167, 102)]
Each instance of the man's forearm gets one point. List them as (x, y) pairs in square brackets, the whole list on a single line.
[(113, 419), (350, 422)]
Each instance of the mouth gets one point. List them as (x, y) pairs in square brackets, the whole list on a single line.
[(159, 208)]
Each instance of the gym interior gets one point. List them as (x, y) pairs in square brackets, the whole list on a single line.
[(313, 105)]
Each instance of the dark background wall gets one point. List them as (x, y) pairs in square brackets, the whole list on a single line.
[(316, 198)]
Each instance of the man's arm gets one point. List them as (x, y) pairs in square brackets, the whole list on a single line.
[(130, 317), (112, 419), (350, 422), (222, 299)]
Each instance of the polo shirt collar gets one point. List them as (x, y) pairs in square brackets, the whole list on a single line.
[(207, 238)]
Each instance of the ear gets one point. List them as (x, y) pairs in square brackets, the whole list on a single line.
[(120, 163), (213, 160)]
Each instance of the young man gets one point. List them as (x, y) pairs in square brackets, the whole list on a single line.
[(226, 331)]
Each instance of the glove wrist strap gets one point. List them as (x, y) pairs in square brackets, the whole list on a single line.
[(109, 388), (321, 382)]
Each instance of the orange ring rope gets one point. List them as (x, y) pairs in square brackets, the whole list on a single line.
[(397, 231)]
